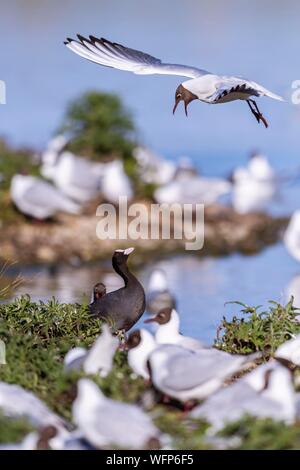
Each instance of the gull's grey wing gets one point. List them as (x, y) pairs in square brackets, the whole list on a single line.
[(187, 371), (121, 424), (110, 54), (44, 194), (16, 401), (235, 401)]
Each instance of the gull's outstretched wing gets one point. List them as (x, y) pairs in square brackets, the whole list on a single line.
[(110, 54), (227, 86)]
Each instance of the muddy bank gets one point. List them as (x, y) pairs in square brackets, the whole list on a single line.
[(72, 239)]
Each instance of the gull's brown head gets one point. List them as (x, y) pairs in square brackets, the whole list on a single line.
[(182, 94)]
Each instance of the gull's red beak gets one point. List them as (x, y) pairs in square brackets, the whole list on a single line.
[(177, 101)]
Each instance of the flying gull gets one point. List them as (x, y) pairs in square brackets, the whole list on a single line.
[(204, 86)]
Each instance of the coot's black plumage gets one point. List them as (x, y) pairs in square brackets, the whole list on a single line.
[(124, 306)]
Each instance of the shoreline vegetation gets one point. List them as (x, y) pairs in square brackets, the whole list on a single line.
[(38, 335)]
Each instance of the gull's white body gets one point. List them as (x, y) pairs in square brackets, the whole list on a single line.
[(249, 193), (292, 236), (39, 199), (76, 177), (217, 89), (207, 87), (153, 168), (260, 169), (138, 356), (193, 190), (253, 395), (98, 359), (17, 402), (290, 351), (187, 375), (105, 422), (168, 333), (115, 182)]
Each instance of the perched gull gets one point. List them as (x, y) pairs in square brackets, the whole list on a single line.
[(193, 375), (115, 182), (260, 169), (99, 358), (140, 345), (290, 351), (39, 199), (179, 372), (158, 294), (107, 423), (2, 352), (249, 193), (203, 85), (292, 236), (153, 168), (192, 190), (168, 330), (17, 402), (75, 176), (266, 392)]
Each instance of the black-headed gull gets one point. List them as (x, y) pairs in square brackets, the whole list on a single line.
[(203, 85), (266, 392), (140, 345), (158, 293), (39, 199), (168, 330), (107, 423), (193, 375), (179, 372), (115, 182), (98, 359), (75, 176)]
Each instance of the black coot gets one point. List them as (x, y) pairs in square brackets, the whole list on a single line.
[(123, 307)]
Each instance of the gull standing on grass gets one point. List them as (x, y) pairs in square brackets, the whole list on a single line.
[(179, 372), (204, 86), (39, 199), (105, 422), (266, 392), (98, 359), (168, 330)]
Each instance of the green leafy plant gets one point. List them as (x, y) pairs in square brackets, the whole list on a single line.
[(258, 330)]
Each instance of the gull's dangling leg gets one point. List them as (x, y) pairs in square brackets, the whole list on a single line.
[(258, 115)]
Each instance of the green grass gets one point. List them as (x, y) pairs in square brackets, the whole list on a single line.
[(263, 434), (258, 329), (38, 335), (12, 161)]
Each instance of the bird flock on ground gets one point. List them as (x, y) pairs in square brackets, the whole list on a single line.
[(203, 382), (68, 182)]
